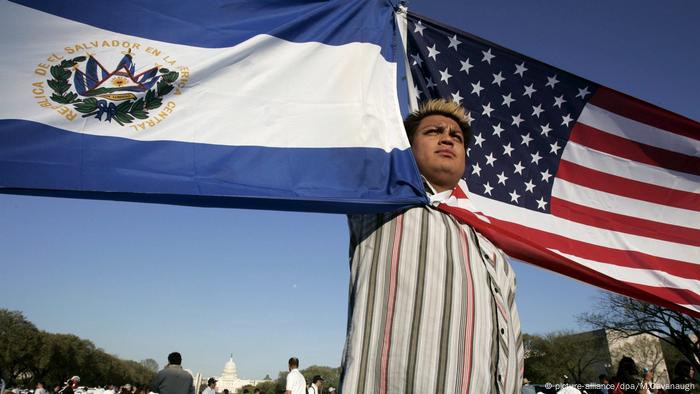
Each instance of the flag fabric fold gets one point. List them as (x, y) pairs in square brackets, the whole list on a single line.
[(266, 104), (567, 174)]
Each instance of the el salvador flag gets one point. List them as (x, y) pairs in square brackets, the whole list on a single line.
[(262, 104)]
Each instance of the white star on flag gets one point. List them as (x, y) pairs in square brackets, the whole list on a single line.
[(555, 148), (529, 186), (490, 159), (445, 76), (465, 66), (514, 196), (582, 93), (419, 28), (529, 90), (478, 140), (545, 130), (476, 88), (454, 42), (558, 101), (507, 149), (497, 79), (497, 130), (537, 110), (565, 120), (476, 169), (519, 168), (546, 175), (541, 204), (487, 56), (507, 100), (516, 120), (433, 52), (417, 60), (551, 81)]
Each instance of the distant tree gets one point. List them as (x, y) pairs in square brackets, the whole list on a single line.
[(19, 344), (630, 317), (37, 355), (548, 358), (150, 364)]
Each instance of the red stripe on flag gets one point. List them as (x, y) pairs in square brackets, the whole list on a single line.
[(622, 258), (623, 223), (643, 112), (613, 184), (677, 296), (622, 147)]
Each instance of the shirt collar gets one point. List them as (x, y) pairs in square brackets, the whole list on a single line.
[(434, 196)]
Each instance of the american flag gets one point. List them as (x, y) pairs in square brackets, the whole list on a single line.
[(567, 174)]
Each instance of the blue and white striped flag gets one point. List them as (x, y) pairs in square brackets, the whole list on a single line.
[(264, 104)]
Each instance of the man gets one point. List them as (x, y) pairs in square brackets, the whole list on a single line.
[(109, 389), (431, 300), (211, 384), (603, 385), (71, 385), (172, 379), (296, 384), (527, 387), (316, 385), (40, 388)]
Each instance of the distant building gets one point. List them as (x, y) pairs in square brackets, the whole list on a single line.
[(229, 378), (645, 349)]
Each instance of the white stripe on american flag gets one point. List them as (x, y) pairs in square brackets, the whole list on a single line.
[(589, 234), (630, 129), (591, 158), (626, 206), (636, 275)]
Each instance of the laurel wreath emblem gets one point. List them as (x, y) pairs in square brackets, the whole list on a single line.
[(124, 112)]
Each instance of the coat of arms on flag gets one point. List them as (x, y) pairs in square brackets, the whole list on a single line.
[(96, 91)]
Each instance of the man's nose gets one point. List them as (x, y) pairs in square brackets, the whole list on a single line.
[(446, 139)]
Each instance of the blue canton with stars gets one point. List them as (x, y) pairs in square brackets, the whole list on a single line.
[(522, 110)]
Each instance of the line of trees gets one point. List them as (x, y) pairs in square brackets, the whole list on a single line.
[(29, 355)]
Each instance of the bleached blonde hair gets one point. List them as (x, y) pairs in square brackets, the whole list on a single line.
[(442, 107)]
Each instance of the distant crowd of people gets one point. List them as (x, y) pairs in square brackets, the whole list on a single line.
[(173, 379), (629, 379)]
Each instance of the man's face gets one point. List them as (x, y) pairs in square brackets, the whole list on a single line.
[(438, 146)]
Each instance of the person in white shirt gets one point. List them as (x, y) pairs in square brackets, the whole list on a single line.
[(211, 383), (296, 384), (316, 385), (109, 389), (40, 388)]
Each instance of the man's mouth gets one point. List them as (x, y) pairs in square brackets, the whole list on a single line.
[(445, 153)]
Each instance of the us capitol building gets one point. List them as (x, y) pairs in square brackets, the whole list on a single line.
[(228, 380)]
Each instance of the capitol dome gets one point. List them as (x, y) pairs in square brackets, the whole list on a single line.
[(229, 378), (230, 369)]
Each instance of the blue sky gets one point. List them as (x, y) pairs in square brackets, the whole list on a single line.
[(141, 280)]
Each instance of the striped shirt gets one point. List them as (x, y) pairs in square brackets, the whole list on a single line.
[(432, 308)]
